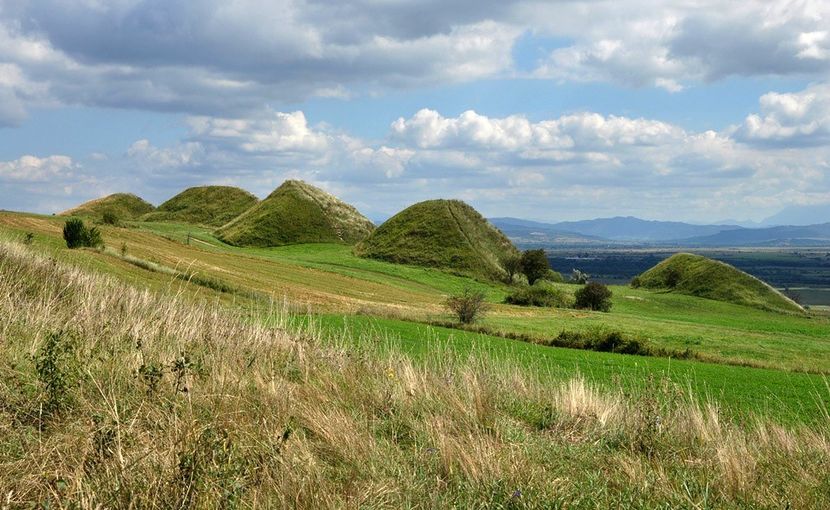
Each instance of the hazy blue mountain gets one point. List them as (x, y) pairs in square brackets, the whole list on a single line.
[(528, 233), (800, 215), (634, 229), (810, 235)]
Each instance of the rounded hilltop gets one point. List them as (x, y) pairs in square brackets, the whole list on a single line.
[(446, 234), (696, 275), (125, 206), (296, 213), (212, 206)]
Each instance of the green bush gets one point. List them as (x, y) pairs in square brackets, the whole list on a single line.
[(535, 265), (540, 294), (594, 296), (110, 218), (78, 235), (469, 306), (554, 276)]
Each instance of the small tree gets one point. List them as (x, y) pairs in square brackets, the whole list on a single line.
[(468, 306), (535, 265), (594, 296), (512, 264), (77, 235)]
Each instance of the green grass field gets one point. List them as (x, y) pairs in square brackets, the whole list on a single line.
[(397, 299)]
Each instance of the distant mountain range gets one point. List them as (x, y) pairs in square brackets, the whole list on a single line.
[(629, 230)]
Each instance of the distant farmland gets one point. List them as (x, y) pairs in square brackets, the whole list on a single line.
[(804, 271)]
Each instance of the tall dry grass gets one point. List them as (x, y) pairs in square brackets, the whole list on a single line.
[(115, 397)]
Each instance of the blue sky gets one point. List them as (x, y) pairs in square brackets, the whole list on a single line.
[(552, 111)]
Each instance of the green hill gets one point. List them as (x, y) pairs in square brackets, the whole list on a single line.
[(297, 213), (696, 275), (125, 206), (446, 234), (212, 206)]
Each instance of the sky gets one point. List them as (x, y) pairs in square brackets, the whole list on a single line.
[(690, 110)]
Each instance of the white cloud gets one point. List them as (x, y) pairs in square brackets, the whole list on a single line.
[(794, 119), (35, 169), (230, 59)]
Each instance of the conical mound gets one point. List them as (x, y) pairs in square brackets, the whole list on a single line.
[(125, 206), (297, 213), (696, 275), (212, 206), (447, 234)]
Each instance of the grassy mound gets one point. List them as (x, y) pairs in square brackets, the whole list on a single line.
[(212, 206), (125, 206), (446, 234), (297, 213), (703, 277)]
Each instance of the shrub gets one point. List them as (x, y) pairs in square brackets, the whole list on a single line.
[(468, 306), (109, 218), (636, 282), (554, 276), (534, 265), (29, 238), (540, 294), (594, 296), (672, 277), (77, 235)]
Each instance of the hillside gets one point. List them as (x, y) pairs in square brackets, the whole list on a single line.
[(446, 234), (296, 213), (212, 206), (166, 402), (703, 277), (125, 206)]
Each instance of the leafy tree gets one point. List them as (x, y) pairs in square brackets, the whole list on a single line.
[(535, 265), (468, 306), (594, 296), (512, 264), (77, 235)]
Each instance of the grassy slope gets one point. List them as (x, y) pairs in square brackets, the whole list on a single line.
[(740, 391), (113, 397), (126, 206), (295, 213), (204, 205), (330, 278), (440, 233), (696, 275)]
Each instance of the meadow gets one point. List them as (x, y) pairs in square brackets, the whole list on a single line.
[(113, 395), (398, 302)]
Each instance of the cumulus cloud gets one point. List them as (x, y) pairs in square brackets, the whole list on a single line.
[(794, 119), (227, 59), (35, 169), (219, 58), (640, 44), (546, 169)]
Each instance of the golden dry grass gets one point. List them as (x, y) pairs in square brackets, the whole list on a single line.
[(113, 396)]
